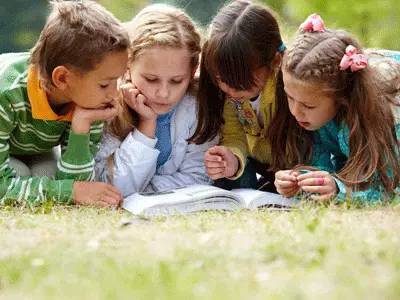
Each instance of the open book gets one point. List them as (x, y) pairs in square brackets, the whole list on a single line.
[(203, 197)]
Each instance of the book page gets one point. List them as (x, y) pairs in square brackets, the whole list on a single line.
[(202, 195), (255, 198)]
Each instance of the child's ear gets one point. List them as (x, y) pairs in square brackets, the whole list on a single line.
[(60, 77)]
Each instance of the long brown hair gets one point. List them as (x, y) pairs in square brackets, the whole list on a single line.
[(366, 110), (243, 36), (156, 25)]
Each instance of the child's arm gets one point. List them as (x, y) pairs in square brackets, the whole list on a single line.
[(80, 143), (17, 190), (129, 165), (234, 137), (134, 161)]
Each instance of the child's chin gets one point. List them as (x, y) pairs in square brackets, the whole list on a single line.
[(162, 111)]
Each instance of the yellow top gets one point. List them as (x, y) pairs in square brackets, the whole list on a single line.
[(242, 132), (39, 102)]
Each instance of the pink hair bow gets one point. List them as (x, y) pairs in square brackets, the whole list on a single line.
[(313, 23), (353, 59)]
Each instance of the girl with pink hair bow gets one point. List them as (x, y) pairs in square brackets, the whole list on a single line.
[(336, 121)]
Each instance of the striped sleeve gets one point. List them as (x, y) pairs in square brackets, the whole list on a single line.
[(16, 190), (78, 151)]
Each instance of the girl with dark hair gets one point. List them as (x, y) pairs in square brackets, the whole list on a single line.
[(239, 79)]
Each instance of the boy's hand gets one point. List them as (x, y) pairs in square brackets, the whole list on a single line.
[(286, 183), (220, 162), (320, 183), (84, 117), (138, 102), (96, 194)]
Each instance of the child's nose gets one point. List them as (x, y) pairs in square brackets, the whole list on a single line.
[(163, 91), (296, 110)]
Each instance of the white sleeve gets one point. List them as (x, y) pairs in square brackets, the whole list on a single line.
[(108, 145), (135, 163)]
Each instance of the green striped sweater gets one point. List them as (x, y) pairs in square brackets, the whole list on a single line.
[(21, 134)]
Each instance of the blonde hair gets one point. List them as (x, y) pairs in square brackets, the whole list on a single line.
[(77, 34), (156, 25)]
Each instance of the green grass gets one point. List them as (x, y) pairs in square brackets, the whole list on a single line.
[(85, 253)]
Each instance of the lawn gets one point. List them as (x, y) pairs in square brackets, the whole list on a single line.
[(314, 253)]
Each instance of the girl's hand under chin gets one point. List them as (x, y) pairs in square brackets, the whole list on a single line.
[(138, 102)]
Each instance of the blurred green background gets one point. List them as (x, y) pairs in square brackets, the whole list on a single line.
[(375, 23)]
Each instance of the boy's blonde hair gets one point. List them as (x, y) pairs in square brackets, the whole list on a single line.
[(156, 25), (77, 34)]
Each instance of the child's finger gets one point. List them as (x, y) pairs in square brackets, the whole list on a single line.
[(218, 150), (312, 181), (113, 189), (217, 176), (212, 157), (109, 201), (285, 183), (214, 171), (285, 176), (114, 194), (312, 174), (125, 87), (130, 96), (141, 99), (215, 164)]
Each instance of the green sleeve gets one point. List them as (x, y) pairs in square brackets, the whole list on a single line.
[(78, 151)]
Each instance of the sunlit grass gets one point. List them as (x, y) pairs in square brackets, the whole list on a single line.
[(76, 253)]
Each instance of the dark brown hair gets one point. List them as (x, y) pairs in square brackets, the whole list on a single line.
[(77, 34), (243, 37), (366, 110)]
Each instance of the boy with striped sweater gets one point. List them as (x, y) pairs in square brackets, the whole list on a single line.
[(60, 94)]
